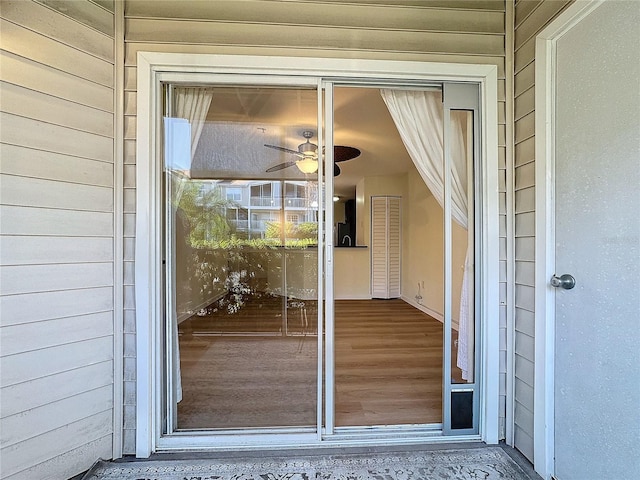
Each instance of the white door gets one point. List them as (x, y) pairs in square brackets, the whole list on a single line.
[(597, 230)]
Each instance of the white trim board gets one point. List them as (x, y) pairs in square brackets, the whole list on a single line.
[(545, 76), (281, 70)]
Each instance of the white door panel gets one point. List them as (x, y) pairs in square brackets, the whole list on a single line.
[(597, 227)]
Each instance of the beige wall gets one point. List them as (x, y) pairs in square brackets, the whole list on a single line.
[(423, 251), (351, 273), (530, 18), (464, 31), (58, 257)]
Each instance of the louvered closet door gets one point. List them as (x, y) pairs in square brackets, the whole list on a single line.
[(385, 247)]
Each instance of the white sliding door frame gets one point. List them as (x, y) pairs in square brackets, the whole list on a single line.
[(152, 68)]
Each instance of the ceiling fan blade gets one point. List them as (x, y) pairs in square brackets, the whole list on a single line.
[(280, 166), (342, 153), (286, 150)]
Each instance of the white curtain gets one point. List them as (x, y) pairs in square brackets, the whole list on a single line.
[(419, 118), (191, 104)]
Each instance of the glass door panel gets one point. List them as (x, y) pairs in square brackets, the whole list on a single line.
[(241, 243), (461, 389)]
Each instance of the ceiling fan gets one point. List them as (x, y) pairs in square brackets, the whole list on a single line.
[(308, 156)]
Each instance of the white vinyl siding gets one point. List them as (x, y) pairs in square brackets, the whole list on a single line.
[(530, 18), (385, 247), (464, 31), (57, 234)]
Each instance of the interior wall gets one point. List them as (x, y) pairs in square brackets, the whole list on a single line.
[(423, 252), (465, 31), (57, 255), (530, 19)]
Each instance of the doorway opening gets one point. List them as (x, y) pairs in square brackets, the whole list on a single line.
[(283, 275)]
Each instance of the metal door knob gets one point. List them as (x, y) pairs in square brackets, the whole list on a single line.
[(565, 281)]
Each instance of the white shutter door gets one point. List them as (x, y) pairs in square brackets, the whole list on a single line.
[(378, 247), (393, 247), (385, 247)]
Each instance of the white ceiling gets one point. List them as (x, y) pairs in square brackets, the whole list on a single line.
[(241, 120)]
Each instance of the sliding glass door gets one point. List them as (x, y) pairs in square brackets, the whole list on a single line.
[(242, 205), (285, 313)]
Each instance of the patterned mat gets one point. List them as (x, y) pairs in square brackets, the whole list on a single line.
[(467, 464)]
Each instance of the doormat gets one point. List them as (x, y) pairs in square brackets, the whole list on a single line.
[(466, 464)]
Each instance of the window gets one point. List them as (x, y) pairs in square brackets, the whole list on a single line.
[(234, 194)]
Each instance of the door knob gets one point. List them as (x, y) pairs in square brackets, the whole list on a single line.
[(565, 281)]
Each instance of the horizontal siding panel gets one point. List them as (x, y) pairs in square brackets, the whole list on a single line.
[(75, 461), (41, 78), (525, 249), (85, 12), (525, 103), (525, 200), (28, 395), (29, 424), (39, 106), (523, 394), (50, 333), (130, 103), (51, 444), (64, 29), (130, 79), (525, 224), (48, 278), (53, 138), (525, 127), (132, 49), (525, 176), (524, 55), (525, 152), (27, 366), (27, 162), (24, 250), (524, 368), (36, 192), (383, 17), (525, 273), (524, 9), (523, 442), (41, 49), (525, 297), (50, 305), (525, 79), (129, 127), (222, 33), (525, 321), (458, 4), (46, 221), (524, 346), (108, 5), (538, 19)]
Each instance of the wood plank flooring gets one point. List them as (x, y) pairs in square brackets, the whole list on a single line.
[(240, 370)]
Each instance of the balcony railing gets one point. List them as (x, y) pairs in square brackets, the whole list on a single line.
[(276, 202)]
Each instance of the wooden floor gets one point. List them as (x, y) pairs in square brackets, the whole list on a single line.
[(257, 367)]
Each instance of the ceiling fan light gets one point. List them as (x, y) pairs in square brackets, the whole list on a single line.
[(307, 165)]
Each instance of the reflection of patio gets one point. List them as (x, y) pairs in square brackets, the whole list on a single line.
[(256, 314), (241, 370)]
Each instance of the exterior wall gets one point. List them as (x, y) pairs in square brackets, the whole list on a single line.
[(530, 18), (57, 233), (464, 31)]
